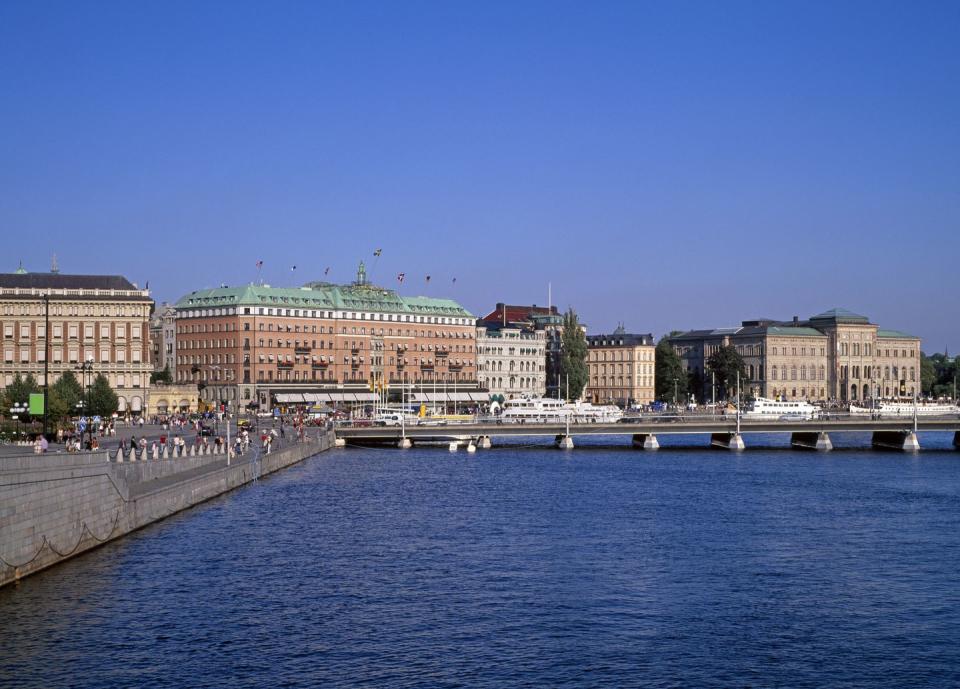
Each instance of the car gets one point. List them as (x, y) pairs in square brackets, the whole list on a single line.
[(205, 430)]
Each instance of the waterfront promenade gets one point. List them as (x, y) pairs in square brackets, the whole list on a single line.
[(56, 505)]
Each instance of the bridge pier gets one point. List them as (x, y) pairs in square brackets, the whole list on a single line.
[(565, 442), (339, 442), (811, 441), (727, 441), (471, 448), (648, 441), (404, 443), (896, 440), (483, 442)]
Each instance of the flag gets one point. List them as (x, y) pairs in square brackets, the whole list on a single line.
[(327, 270), (400, 277), (259, 264), (454, 280), (428, 279), (148, 285), (292, 268), (378, 252)]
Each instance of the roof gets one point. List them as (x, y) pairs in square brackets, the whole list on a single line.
[(793, 332), (322, 295), (897, 334), (517, 313), (62, 281), (782, 330), (839, 315), (619, 338)]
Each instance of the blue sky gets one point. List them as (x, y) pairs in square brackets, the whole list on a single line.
[(668, 165)]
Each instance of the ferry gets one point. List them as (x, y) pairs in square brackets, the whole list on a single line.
[(762, 407), (907, 409), (549, 410)]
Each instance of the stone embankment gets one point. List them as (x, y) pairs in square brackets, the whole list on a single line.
[(55, 506)]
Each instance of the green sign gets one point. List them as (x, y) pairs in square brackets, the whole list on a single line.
[(36, 404)]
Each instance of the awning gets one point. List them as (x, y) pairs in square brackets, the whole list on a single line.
[(289, 397), (366, 396)]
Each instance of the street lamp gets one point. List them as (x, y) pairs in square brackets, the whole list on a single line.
[(16, 410), (86, 369)]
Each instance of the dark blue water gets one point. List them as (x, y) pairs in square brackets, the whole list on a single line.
[(526, 567)]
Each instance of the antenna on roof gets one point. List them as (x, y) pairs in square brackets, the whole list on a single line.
[(54, 268)]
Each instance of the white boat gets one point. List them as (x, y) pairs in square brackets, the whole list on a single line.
[(907, 409), (549, 410), (765, 408), (533, 410)]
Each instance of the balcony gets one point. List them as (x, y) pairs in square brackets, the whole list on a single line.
[(302, 350), (442, 352), (286, 365)]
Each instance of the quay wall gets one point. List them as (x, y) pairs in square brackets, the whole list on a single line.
[(56, 506)]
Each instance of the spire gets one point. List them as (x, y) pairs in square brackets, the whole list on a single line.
[(54, 267), (361, 274), (20, 270)]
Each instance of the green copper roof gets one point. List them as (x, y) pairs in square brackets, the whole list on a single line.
[(896, 334), (840, 316), (793, 332), (323, 295)]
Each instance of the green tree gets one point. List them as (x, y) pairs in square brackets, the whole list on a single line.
[(63, 397), (163, 376), (725, 363), (669, 376), (573, 356), (103, 400), (928, 374), (19, 390)]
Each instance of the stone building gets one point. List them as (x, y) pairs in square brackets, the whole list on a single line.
[(335, 343), (511, 360), (835, 355), (100, 321), (545, 318), (174, 398), (621, 368), (163, 338)]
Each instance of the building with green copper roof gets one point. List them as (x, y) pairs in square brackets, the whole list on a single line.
[(837, 354)]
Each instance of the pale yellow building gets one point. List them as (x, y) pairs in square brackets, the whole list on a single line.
[(620, 368), (98, 321)]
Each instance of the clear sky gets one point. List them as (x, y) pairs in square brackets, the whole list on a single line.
[(668, 165)]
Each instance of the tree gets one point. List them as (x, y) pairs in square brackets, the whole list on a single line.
[(573, 355), (103, 400), (163, 376), (63, 397), (928, 374), (725, 363), (19, 391), (669, 376)]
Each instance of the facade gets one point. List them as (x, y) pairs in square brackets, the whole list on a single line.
[(621, 368), (260, 345), (102, 320), (163, 338), (170, 399), (545, 318), (835, 355), (511, 361)]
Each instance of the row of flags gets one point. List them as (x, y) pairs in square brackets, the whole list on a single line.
[(376, 254)]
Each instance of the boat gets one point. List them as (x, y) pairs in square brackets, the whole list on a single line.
[(765, 408), (907, 409), (549, 410)]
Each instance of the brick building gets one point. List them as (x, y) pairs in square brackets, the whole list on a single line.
[(266, 345)]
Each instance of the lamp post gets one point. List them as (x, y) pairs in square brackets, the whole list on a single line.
[(86, 368), (16, 410), (226, 415)]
